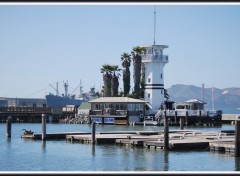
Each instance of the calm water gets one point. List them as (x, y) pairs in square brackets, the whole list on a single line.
[(19, 154)]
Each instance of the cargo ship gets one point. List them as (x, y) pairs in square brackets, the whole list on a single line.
[(59, 101)]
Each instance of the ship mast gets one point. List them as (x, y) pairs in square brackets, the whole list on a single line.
[(80, 87), (66, 88)]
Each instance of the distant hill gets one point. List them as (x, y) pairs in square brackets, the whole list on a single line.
[(223, 98)]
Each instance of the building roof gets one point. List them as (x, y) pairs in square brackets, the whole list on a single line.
[(84, 105), (116, 100), (195, 101)]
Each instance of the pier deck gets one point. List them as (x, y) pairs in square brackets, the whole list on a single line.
[(178, 140)]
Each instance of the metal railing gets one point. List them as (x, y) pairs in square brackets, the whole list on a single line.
[(150, 57), (183, 112), (109, 112)]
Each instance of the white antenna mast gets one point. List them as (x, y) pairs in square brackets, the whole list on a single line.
[(212, 98), (203, 93), (154, 24)]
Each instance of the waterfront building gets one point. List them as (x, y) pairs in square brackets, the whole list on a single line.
[(22, 102), (84, 108), (117, 110), (192, 104)]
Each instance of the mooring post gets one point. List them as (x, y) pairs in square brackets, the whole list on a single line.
[(93, 132), (175, 116), (200, 118), (186, 118), (44, 127), (166, 136), (181, 123), (237, 139), (9, 126)]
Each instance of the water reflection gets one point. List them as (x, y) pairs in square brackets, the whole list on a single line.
[(43, 146), (93, 150), (237, 163), (166, 161), (8, 140)]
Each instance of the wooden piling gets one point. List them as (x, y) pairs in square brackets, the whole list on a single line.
[(237, 139), (93, 132), (181, 123), (166, 132), (200, 118), (9, 126), (186, 118), (175, 117), (43, 127)]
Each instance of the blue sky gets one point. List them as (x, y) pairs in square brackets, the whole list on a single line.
[(45, 44)]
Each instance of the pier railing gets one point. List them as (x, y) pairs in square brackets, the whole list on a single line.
[(184, 112), (108, 112), (156, 57)]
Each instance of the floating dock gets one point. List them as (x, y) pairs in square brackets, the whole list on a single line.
[(221, 141), (178, 140)]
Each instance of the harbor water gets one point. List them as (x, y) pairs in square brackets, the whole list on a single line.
[(18, 154)]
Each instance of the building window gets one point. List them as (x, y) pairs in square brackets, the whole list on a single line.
[(161, 76), (161, 91), (149, 95), (117, 107), (96, 106), (149, 80)]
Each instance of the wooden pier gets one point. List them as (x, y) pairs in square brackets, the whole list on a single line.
[(220, 141), (23, 114), (178, 140)]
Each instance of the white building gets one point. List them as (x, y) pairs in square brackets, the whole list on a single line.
[(154, 61)]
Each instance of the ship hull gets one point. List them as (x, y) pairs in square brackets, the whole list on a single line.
[(54, 101)]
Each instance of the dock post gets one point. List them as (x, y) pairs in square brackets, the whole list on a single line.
[(166, 135), (186, 118), (93, 132), (9, 126), (43, 127), (175, 116), (200, 118), (237, 139), (181, 123)]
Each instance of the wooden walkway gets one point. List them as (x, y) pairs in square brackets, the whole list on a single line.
[(178, 140), (222, 141)]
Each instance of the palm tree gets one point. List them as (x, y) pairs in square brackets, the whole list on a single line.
[(107, 77), (126, 63), (142, 83), (137, 61), (114, 81)]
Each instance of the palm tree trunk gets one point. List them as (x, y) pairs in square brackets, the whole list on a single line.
[(107, 85), (115, 85), (126, 81), (137, 75)]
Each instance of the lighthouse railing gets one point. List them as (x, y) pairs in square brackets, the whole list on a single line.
[(155, 57)]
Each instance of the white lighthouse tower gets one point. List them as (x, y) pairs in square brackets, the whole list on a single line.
[(154, 61)]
